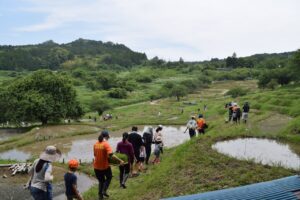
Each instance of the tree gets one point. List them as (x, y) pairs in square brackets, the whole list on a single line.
[(295, 65), (42, 96), (119, 93), (99, 105), (178, 91)]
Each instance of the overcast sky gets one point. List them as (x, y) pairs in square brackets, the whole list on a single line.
[(191, 29)]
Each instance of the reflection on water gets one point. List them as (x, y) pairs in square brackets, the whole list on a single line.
[(83, 148), (263, 151), (84, 183), (15, 155), (6, 133)]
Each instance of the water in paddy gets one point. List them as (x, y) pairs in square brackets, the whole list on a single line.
[(83, 148), (84, 183), (265, 151), (6, 133)]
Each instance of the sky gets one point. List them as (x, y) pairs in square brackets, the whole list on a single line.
[(192, 29)]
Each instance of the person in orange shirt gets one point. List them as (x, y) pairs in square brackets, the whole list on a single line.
[(201, 124), (102, 153)]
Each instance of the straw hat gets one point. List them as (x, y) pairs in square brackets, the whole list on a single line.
[(51, 154)]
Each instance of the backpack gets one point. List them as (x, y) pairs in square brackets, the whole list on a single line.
[(147, 138)]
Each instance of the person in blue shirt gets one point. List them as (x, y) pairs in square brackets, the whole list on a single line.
[(71, 181)]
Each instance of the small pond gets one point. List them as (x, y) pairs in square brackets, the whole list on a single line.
[(82, 147), (264, 151)]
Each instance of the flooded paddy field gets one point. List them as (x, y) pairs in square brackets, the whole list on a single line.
[(264, 151)]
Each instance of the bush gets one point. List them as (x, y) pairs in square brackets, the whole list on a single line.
[(236, 92), (119, 93)]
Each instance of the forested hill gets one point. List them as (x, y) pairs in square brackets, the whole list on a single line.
[(81, 52)]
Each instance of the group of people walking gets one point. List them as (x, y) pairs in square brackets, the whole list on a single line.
[(135, 147), (196, 125), (235, 113)]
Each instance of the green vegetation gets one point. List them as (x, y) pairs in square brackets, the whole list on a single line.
[(42, 96)]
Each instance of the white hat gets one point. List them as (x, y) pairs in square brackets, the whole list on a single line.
[(51, 154)]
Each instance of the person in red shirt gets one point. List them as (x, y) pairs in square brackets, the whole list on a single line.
[(102, 153)]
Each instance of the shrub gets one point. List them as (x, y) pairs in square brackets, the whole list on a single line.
[(119, 93), (236, 92)]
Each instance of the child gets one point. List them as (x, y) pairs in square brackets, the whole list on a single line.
[(71, 181), (142, 158)]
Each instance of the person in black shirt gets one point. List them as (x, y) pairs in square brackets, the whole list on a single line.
[(246, 109), (148, 140), (136, 140)]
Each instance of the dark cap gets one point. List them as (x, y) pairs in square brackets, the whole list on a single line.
[(105, 133)]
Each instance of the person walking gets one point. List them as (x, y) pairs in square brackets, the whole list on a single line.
[(148, 140), (41, 174), (126, 148), (71, 181), (201, 124), (102, 153), (236, 113), (158, 141), (136, 140), (191, 126), (246, 109)]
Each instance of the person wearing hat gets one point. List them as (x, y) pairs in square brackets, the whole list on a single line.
[(158, 141), (102, 153), (71, 181), (41, 174), (191, 126)]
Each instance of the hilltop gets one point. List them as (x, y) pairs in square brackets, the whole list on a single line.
[(83, 52)]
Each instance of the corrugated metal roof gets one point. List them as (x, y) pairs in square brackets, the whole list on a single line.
[(284, 188)]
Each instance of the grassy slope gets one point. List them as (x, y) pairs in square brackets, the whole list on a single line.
[(194, 167)]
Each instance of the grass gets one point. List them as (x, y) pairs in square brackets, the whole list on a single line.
[(194, 167)]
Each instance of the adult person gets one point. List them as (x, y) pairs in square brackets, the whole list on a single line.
[(136, 140), (191, 126), (236, 113), (229, 106), (158, 140), (126, 148), (148, 140), (201, 124), (41, 174), (246, 109), (102, 153)]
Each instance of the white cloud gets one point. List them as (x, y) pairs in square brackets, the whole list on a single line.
[(191, 29)]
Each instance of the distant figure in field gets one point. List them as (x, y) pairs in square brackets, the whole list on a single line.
[(201, 124), (229, 106), (136, 140), (191, 126), (148, 140), (236, 113), (246, 109), (205, 107)]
